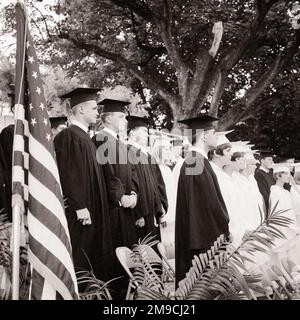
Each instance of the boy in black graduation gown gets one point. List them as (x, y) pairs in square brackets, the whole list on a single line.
[(152, 201), (264, 175), (201, 214), (6, 141), (84, 187), (121, 178), (3, 204), (121, 181)]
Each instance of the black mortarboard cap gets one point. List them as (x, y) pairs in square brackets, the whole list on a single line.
[(137, 121), (80, 95), (266, 152), (111, 105), (56, 121), (204, 122)]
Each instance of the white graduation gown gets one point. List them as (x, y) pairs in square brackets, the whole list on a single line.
[(289, 247), (231, 195), (168, 233)]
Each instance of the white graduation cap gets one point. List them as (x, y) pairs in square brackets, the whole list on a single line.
[(241, 146), (281, 167), (223, 132), (221, 137), (250, 158)]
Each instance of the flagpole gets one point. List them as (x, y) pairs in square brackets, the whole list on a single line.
[(16, 252), (17, 202)]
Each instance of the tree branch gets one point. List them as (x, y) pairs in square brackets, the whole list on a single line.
[(137, 7), (262, 8), (43, 18), (150, 82), (150, 49), (165, 29), (217, 95)]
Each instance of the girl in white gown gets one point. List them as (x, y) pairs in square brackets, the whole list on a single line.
[(255, 207), (289, 247), (238, 224), (162, 152)]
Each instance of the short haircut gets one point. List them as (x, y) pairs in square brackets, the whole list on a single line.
[(237, 155), (219, 150), (264, 156)]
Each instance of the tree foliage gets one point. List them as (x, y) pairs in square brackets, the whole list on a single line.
[(176, 49)]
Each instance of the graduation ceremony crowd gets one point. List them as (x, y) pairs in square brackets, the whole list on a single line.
[(121, 185)]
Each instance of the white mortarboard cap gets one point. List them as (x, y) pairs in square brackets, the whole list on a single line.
[(222, 139), (250, 158), (223, 132), (280, 167), (241, 146)]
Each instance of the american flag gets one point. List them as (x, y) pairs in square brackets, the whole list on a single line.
[(36, 178)]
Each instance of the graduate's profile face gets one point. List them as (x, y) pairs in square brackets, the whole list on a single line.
[(285, 177), (267, 162), (210, 138), (118, 121), (165, 153), (240, 163), (177, 151), (141, 136), (251, 168), (227, 153), (90, 111)]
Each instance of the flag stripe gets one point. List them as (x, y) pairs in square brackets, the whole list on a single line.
[(38, 151), (18, 159), (37, 284), (51, 242), (50, 221), (48, 292), (18, 174), (38, 170), (46, 197), (42, 268)]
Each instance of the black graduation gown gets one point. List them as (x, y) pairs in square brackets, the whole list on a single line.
[(159, 185), (265, 181), (149, 203), (6, 141), (83, 185), (3, 209), (121, 179), (201, 214)]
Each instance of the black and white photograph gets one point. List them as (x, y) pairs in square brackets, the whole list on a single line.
[(149, 151)]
